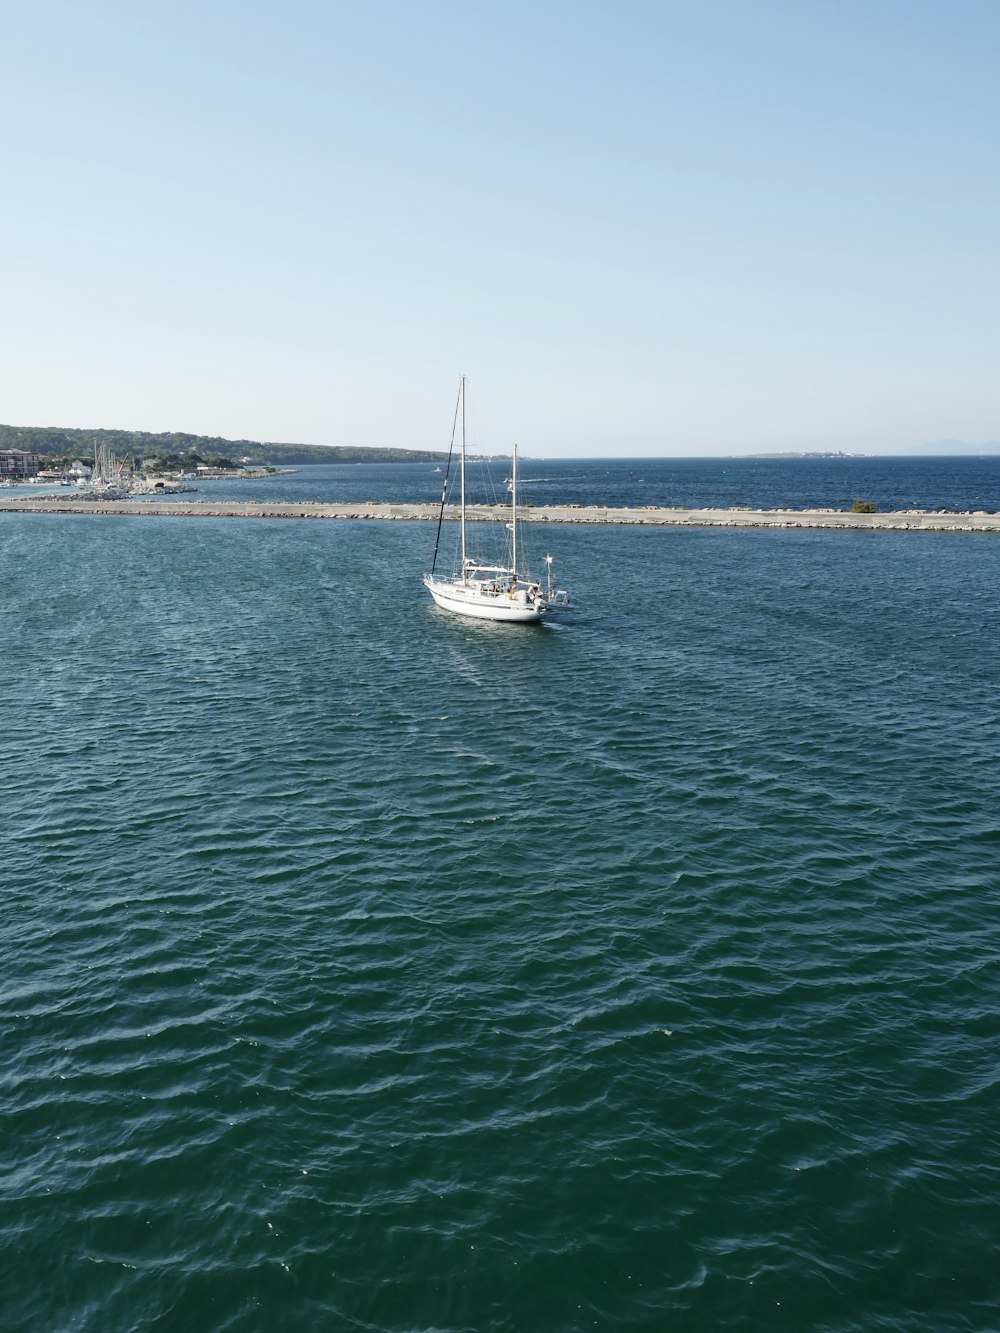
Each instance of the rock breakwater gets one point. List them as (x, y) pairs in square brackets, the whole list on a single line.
[(905, 520)]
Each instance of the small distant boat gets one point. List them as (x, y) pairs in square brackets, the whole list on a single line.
[(500, 591)]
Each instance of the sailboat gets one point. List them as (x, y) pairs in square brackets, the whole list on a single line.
[(490, 591)]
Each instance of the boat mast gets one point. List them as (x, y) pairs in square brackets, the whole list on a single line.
[(447, 475), (463, 478), (513, 511)]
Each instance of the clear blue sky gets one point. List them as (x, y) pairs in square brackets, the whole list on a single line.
[(639, 228)]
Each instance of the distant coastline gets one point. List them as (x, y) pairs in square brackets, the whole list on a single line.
[(176, 448), (74, 442)]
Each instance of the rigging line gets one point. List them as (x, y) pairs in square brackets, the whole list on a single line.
[(444, 487)]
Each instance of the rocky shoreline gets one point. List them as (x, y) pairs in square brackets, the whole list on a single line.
[(906, 520)]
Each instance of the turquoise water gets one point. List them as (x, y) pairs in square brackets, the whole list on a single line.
[(364, 968)]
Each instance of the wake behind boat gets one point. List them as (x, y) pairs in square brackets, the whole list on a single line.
[(489, 591)]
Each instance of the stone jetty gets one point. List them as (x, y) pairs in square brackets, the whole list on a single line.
[(914, 520)]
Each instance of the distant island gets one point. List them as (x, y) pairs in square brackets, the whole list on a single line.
[(175, 449), (935, 448), (833, 453), (931, 449)]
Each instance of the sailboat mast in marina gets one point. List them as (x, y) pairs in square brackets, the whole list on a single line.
[(488, 591)]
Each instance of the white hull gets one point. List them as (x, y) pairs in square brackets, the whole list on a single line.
[(468, 600)]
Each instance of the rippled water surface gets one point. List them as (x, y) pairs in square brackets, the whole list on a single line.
[(363, 968), (759, 483)]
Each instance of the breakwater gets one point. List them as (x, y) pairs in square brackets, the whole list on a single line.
[(652, 516)]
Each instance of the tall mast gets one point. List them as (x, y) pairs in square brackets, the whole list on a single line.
[(513, 512), (463, 478)]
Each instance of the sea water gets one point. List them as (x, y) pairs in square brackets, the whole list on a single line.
[(758, 483), (367, 968)]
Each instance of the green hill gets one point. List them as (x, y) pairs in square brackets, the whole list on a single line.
[(63, 443)]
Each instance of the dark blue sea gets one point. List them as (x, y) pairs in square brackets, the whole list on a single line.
[(956, 484), (365, 968)]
